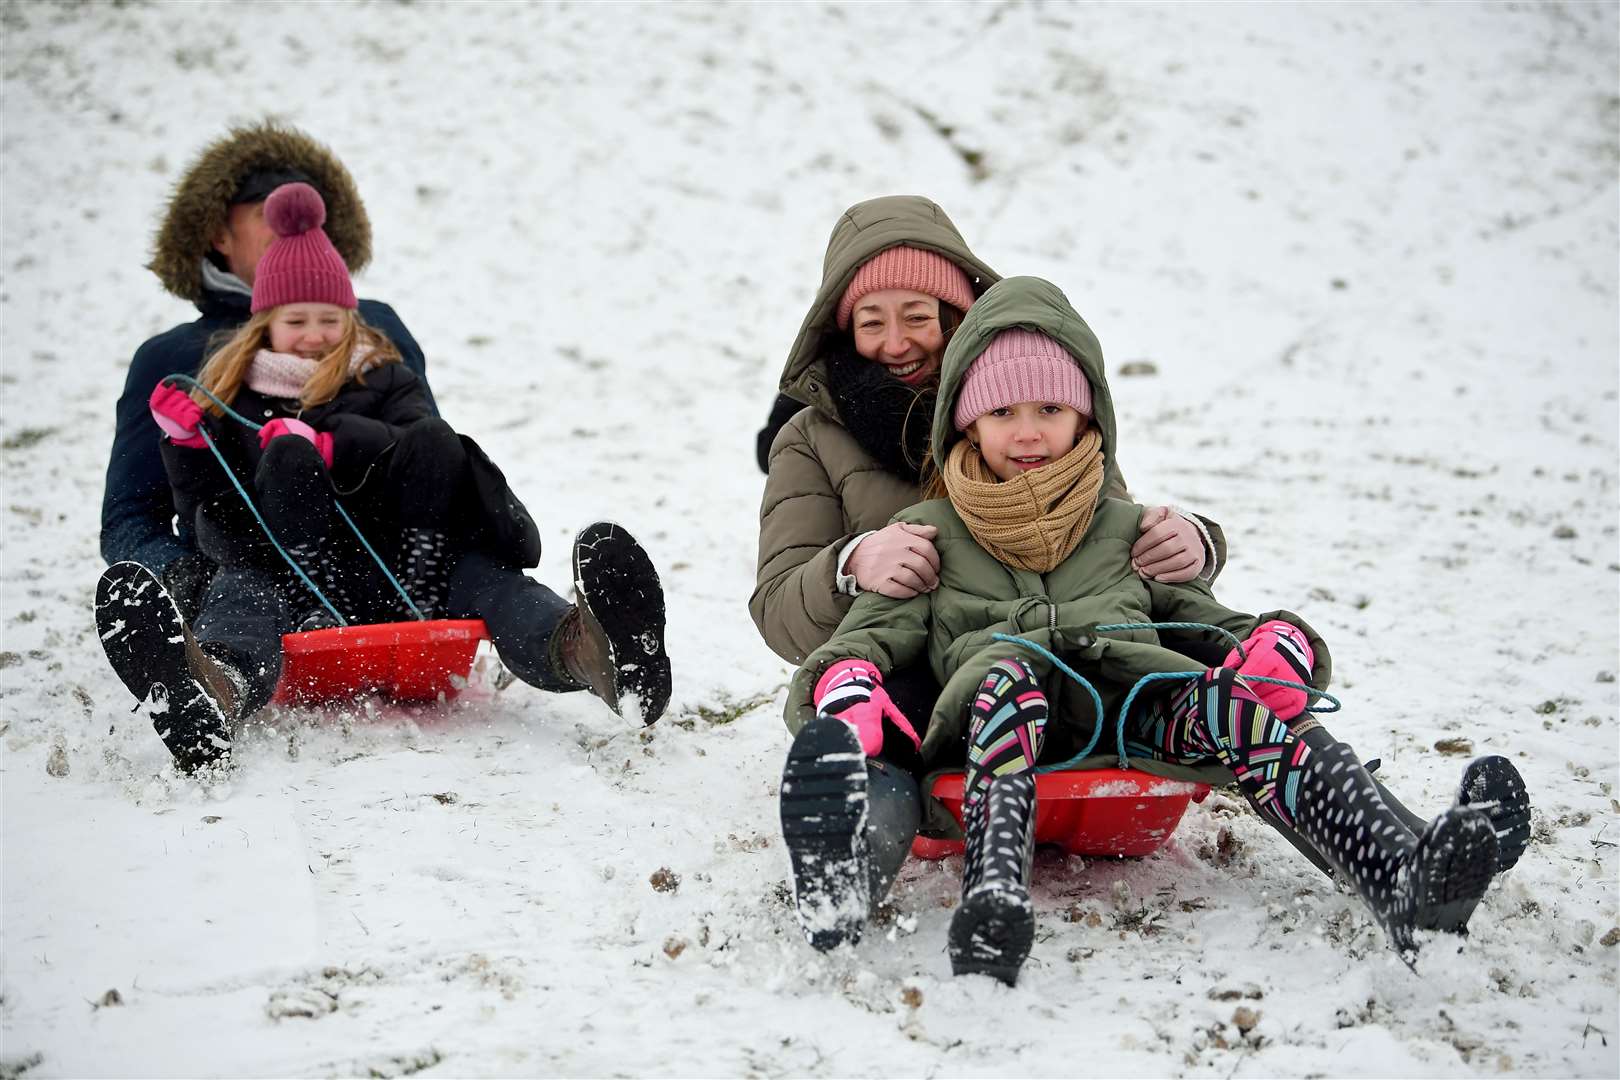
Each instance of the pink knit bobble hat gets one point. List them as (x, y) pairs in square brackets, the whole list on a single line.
[(1021, 365), (301, 266), (907, 268)]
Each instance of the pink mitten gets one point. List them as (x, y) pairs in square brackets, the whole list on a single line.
[(1277, 650), (852, 690), (279, 427), (177, 415)]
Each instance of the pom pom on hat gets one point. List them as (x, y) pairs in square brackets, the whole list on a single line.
[(301, 266), (1021, 365), (294, 209)]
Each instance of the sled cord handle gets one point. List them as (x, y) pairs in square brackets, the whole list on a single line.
[(1096, 698), (358, 535), (1152, 677)]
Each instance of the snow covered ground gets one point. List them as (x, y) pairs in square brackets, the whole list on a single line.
[(1371, 254)]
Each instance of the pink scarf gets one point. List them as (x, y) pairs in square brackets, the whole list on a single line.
[(283, 375)]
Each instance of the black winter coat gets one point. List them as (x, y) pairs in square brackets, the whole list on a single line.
[(138, 504), (365, 420)]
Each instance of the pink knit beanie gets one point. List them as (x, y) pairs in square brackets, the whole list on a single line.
[(907, 268), (1021, 365), (301, 265)]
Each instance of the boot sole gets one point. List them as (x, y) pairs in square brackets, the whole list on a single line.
[(992, 933), (1494, 787), (824, 812), (1451, 868), (145, 641), (620, 594)]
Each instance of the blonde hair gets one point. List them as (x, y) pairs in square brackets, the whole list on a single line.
[(227, 368)]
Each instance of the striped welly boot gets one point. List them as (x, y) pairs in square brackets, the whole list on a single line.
[(993, 929), (1430, 882)]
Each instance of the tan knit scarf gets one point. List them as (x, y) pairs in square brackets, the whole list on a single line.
[(1033, 521)]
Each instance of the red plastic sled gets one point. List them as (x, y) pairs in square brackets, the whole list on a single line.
[(403, 661), (1087, 812)]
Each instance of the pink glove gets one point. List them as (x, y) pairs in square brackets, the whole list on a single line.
[(279, 427), (852, 690), (1277, 650), (177, 415)]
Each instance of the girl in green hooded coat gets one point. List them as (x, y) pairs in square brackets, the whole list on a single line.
[(1030, 548)]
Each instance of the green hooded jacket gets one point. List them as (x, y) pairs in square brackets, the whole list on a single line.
[(978, 596)]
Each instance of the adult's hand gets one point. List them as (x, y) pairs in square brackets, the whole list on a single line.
[(1170, 549), (898, 561)]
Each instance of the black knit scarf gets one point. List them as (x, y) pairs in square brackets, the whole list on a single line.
[(889, 419)]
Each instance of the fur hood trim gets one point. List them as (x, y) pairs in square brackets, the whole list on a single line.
[(198, 207)]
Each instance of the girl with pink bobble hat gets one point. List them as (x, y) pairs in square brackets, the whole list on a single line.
[(1037, 596), (337, 414)]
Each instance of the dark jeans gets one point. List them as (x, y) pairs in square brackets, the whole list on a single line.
[(520, 612)]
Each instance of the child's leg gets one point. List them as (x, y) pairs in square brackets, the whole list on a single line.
[(1428, 881), (295, 498), (1214, 717), (1005, 727), (427, 473), (294, 495), (993, 929)]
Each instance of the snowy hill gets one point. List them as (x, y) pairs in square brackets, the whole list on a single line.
[(1371, 252)]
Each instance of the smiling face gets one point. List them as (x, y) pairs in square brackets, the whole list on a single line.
[(900, 329), (1017, 438), (307, 330)]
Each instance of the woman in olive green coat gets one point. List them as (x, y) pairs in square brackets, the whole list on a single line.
[(1031, 547)]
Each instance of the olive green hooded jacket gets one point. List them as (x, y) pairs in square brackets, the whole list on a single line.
[(822, 488), (978, 597)]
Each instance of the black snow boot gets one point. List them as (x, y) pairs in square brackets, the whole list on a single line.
[(424, 568), (824, 818), (893, 815), (1494, 787), (992, 931), (190, 694), (612, 641), (1430, 882)]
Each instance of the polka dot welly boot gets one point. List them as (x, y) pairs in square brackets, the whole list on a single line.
[(993, 929), (424, 568), (1432, 881)]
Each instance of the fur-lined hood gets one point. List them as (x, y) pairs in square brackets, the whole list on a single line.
[(197, 209)]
